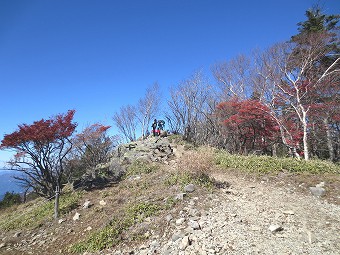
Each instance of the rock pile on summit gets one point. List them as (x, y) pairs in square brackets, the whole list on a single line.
[(152, 149)]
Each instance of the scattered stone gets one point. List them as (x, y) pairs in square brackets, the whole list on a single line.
[(168, 252), (17, 234), (143, 247), (317, 191), (177, 236), (180, 221), (76, 216), (89, 228), (310, 237), (289, 212), (180, 196), (275, 228), (189, 188), (87, 204), (102, 202), (60, 221), (2, 245), (184, 243), (168, 217), (134, 178), (320, 185), (194, 224)]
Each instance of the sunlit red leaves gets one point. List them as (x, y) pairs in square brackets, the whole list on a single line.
[(42, 131), (92, 132), (249, 118)]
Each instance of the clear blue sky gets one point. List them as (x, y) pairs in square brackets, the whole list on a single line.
[(95, 56)]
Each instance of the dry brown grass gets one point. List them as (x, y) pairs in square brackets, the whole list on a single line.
[(197, 162)]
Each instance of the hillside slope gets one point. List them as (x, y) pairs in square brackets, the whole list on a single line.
[(172, 208)]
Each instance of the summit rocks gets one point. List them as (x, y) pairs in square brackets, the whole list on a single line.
[(152, 149)]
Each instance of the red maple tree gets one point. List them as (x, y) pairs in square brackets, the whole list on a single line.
[(40, 151), (250, 122)]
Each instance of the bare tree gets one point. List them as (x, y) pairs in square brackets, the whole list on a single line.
[(148, 106), (287, 79), (126, 121), (191, 104), (234, 77)]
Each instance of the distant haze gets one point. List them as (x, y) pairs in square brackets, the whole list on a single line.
[(8, 183)]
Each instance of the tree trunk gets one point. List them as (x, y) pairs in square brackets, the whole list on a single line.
[(274, 150), (305, 137), (329, 140)]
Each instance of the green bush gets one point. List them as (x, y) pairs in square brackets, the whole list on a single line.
[(267, 164), (186, 178), (10, 199)]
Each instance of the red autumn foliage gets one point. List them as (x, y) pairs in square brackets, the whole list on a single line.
[(41, 132), (250, 120), (41, 149)]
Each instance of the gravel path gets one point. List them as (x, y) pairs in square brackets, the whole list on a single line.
[(250, 218)]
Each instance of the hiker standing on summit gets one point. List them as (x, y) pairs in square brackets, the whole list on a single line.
[(154, 126)]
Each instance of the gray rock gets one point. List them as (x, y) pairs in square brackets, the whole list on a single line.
[(177, 235), (317, 191), (76, 216), (289, 212), (320, 185), (189, 188), (2, 245), (61, 221), (275, 228), (102, 202), (180, 196), (180, 221), (194, 224), (184, 243), (168, 252), (17, 234), (168, 217), (310, 238), (152, 149), (87, 204)]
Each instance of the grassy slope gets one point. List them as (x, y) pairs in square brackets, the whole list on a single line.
[(136, 206)]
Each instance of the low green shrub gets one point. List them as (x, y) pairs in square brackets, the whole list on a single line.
[(186, 178), (10, 199), (267, 164)]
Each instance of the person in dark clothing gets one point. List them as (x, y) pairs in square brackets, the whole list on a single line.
[(154, 126), (161, 124)]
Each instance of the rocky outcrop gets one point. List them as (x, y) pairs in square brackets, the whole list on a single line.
[(152, 149)]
